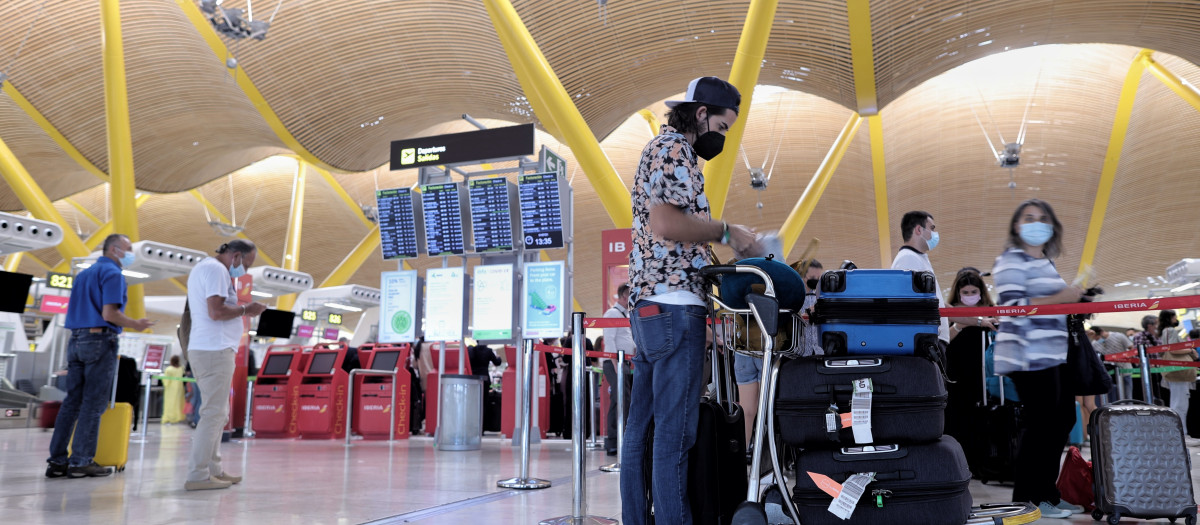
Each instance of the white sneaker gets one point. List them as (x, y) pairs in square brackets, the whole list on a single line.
[(1075, 509), (1050, 511)]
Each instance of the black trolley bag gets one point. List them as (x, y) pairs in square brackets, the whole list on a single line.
[(914, 484), (908, 399), (1140, 463)]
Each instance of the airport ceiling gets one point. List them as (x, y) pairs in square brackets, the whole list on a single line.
[(346, 78)]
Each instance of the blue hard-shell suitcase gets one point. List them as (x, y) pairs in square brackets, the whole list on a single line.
[(878, 312)]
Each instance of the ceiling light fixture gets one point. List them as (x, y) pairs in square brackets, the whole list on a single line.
[(343, 307)]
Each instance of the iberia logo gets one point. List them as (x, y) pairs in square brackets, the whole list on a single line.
[(387, 408), (1031, 312), (279, 410), (1153, 306), (324, 408)]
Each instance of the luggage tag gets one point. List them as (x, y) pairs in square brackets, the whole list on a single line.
[(860, 411), (845, 495)]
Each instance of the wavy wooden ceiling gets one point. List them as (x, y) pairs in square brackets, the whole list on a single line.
[(327, 68)]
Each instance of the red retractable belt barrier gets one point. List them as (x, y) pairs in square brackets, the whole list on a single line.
[(1164, 303)]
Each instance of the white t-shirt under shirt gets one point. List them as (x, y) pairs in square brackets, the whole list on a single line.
[(209, 278), (910, 259)]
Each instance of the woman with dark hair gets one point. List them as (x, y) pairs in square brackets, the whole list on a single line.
[(964, 355), (1032, 349), (1179, 382)]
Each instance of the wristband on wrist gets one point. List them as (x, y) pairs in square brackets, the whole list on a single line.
[(243, 310), (724, 232)]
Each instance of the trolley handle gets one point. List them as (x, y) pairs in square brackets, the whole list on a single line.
[(712, 271)]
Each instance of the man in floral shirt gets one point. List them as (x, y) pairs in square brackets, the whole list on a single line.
[(671, 227)]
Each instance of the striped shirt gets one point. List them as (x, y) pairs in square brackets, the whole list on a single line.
[(1033, 342)]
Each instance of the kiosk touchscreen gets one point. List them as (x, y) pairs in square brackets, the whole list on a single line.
[(322, 404), (276, 392), (373, 406)]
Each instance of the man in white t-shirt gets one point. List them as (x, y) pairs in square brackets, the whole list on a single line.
[(920, 235), (216, 332)]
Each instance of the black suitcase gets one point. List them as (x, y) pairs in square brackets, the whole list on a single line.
[(1141, 464), (992, 430), (492, 411), (925, 484), (908, 400), (717, 479)]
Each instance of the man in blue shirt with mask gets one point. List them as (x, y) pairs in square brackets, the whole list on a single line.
[(95, 317)]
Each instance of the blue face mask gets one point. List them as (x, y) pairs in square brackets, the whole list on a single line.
[(128, 259), (933, 240), (1036, 233), (236, 271)]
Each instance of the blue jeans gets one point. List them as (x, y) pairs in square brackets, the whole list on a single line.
[(667, 383), (91, 367)]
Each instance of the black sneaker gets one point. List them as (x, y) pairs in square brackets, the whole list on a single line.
[(56, 470), (88, 471)]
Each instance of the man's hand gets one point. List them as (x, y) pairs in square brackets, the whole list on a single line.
[(743, 239), (255, 309), (143, 324)]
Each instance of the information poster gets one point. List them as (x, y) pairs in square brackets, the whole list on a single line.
[(543, 299), (398, 307), (443, 304), (492, 303)]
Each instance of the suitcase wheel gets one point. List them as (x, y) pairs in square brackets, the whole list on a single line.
[(1097, 515), (1114, 518), (1190, 520)]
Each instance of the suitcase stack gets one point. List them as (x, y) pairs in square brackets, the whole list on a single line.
[(869, 416)]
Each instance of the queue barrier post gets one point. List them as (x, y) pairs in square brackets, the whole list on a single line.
[(350, 401), (523, 481), (592, 376), (620, 367), (1145, 363), (144, 433), (248, 431), (578, 514)]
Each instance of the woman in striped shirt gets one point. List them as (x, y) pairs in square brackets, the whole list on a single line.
[(1031, 349)]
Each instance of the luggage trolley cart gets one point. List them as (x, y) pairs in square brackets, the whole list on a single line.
[(735, 337)]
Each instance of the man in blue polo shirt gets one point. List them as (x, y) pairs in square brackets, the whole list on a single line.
[(95, 316)]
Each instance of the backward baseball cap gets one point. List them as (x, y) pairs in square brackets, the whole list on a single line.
[(711, 91)]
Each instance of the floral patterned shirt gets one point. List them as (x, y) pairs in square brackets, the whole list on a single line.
[(667, 174)]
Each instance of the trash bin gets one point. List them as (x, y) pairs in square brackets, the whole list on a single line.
[(460, 412)]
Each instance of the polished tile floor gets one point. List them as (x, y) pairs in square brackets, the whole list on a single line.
[(318, 482)]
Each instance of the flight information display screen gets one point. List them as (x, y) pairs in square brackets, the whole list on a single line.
[(541, 211), (443, 219), (397, 223), (491, 218)]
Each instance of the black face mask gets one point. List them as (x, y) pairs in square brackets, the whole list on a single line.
[(812, 284), (709, 144)]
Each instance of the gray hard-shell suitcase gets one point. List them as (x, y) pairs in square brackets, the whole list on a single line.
[(1141, 464)]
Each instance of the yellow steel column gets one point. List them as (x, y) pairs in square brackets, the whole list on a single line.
[(13, 261), (35, 200), (291, 248), (862, 55), (98, 236), (652, 120), (345, 269), (790, 231), (1181, 87), (576, 134), (521, 67), (747, 62), (1116, 142), (881, 195), (120, 143)]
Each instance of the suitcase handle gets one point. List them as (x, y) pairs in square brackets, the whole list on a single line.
[(870, 453), (854, 363), (849, 389)]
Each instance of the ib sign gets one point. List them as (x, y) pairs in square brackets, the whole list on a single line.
[(614, 258)]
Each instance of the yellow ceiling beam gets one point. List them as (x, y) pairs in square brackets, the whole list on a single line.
[(82, 210), (862, 56), (34, 199), (221, 217), (576, 134), (747, 62), (790, 231), (879, 171), (341, 193), (652, 120), (521, 68), (13, 261), (1181, 87), (1112, 158), (214, 42), (52, 131), (97, 237), (175, 281), (353, 261)]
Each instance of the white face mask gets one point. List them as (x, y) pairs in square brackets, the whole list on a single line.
[(970, 300)]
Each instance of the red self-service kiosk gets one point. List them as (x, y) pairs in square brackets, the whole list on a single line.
[(431, 380), (373, 407), (322, 402), (277, 391), (510, 386)]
